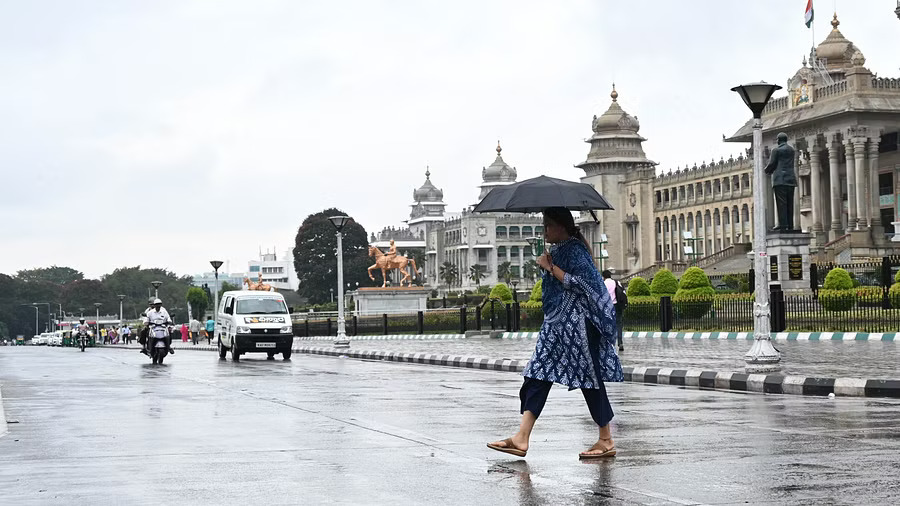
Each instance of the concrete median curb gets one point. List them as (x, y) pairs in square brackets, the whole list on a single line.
[(743, 336), (696, 378)]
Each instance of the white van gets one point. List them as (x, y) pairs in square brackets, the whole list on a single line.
[(254, 321)]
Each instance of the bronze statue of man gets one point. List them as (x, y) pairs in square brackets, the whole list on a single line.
[(784, 180)]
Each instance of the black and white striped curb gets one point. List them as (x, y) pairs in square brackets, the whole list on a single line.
[(697, 378)]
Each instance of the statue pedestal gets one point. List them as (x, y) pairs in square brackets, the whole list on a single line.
[(788, 254), (390, 300)]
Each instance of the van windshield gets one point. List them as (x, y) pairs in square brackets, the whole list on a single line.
[(261, 306)]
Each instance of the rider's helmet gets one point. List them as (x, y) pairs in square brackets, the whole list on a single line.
[(81, 320), (157, 302)]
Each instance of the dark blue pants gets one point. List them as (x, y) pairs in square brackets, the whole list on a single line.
[(533, 395)]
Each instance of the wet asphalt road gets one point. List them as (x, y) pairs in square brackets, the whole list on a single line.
[(105, 427)]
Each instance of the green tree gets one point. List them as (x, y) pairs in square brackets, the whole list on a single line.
[(504, 271), (449, 273), (531, 270), (664, 283), (477, 272), (53, 274), (637, 287), (135, 284), (537, 292), (315, 258), (501, 292), (695, 294), (837, 294), (198, 301)]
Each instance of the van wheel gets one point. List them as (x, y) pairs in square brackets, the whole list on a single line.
[(286, 355), (270, 356), (222, 350), (235, 354)]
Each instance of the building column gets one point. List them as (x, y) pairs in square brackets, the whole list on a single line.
[(815, 186), (863, 211), (521, 261), (874, 190), (834, 149), (852, 215)]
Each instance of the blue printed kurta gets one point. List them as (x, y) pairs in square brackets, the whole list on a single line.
[(563, 353)]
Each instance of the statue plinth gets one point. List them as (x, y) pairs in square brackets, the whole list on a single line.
[(391, 299), (788, 254)]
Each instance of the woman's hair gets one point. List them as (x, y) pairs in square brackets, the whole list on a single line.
[(563, 217)]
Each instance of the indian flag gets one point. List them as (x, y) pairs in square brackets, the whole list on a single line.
[(809, 14)]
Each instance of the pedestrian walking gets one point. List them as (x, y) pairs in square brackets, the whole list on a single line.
[(126, 334), (113, 336), (210, 330), (620, 302), (103, 336), (184, 333), (195, 330), (576, 343)]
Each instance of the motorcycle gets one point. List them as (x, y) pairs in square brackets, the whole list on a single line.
[(156, 340), (82, 338)]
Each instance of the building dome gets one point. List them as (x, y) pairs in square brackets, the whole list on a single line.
[(615, 119), (499, 171), (836, 50), (428, 192)]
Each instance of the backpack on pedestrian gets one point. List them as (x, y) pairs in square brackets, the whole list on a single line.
[(621, 298)]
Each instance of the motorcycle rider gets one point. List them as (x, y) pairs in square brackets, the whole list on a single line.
[(155, 312), (82, 327)]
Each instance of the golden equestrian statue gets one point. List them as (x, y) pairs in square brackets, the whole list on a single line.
[(258, 285), (390, 262)]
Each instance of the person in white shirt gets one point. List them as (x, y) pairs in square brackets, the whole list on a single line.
[(195, 330), (611, 286), (156, 313)]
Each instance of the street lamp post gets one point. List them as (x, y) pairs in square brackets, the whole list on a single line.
[(215, 265), (339, 222), (514, 284), (49, 315), (36, 331), (762, 357), (156, 285), (121, 313), (97, 323), (81, 309)]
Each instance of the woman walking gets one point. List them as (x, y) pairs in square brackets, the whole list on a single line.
[(576, 344)]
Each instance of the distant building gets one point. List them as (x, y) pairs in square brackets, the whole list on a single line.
[(209, 279), (278, 273)]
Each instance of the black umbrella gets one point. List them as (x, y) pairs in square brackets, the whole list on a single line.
[(536, 194)]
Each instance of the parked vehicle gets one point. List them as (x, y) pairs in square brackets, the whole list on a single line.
[(254, 322)]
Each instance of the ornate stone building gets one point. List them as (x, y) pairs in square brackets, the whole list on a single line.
[(842, 118)]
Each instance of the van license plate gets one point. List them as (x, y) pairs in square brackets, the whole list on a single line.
[(265, 345)]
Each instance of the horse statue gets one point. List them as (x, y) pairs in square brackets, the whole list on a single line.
[(390, 262), (258, 285)]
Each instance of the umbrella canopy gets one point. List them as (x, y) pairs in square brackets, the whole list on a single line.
[(536, 194)]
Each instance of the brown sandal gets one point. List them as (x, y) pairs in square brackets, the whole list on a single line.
[(510, 448), (605, 454)]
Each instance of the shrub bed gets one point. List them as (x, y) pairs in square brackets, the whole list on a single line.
[(664, 283), (837, 294), (695, 294)]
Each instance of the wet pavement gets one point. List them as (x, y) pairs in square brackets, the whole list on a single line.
[(833, 359), (105, 427)]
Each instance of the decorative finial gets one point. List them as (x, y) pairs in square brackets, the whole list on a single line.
[(804, 61), (427, 172), (614, 93), (499, 149), (835, 22)]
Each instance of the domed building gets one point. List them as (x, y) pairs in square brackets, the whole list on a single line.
[(496, 174)]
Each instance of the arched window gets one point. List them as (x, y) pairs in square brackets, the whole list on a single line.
[(745, 181), (539, 231), (501, 254), (690, 222), (659, 197), (527, 232), (666, 225), (726, 184), (658, 226), (726, 215), (514, 232), (735, 215), (501, 232), (514, 253), (735, 183), (681, 193), (717, 218)]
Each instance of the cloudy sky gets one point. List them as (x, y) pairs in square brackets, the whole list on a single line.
[(166, 133)]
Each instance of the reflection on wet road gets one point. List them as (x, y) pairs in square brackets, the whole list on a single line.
[(104, 427)]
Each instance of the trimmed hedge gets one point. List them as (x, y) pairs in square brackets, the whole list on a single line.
[(501, 292), (837, 294), (637, 287), (695, 295), (837, 300), (642, 308), (664, 283), (894, 294)]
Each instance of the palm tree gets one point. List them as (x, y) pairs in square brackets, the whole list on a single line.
[(504, 272), (477, 272), (531, 270), (449, 273)]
